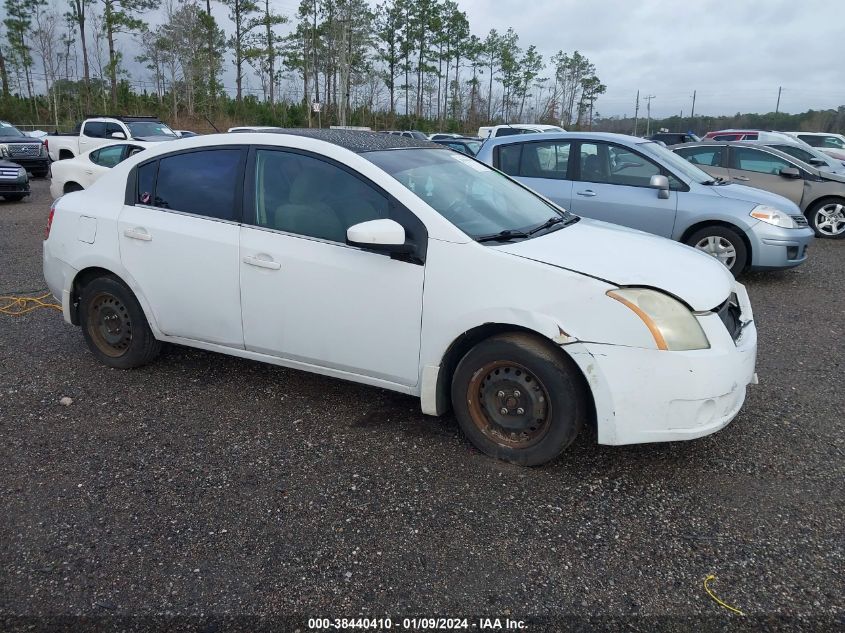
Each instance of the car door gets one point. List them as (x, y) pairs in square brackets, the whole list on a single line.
[(91, 135), (306, 295), (760, 169), (613, 184), (178, 238), (541, 165), (709, 158)]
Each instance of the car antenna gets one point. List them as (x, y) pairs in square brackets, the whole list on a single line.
[(211, 124)]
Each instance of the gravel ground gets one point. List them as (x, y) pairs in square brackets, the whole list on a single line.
[(206, 487)]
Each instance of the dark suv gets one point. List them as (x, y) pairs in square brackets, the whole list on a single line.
[(674, 138), (26, 151)]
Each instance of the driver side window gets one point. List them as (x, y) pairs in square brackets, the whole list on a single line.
[(306, 196)]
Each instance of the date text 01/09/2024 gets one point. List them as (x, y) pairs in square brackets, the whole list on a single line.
[(415, 624)]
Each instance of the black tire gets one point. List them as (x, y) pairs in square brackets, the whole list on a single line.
[(114, 326), (718, 236), (40, 174), (72, 186), (17, 197), (537, 380), (832, 226)]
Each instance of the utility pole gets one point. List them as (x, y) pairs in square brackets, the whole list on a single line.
[(692, 113), (777, 107), (648, 114), (316, 73), (636, 112)]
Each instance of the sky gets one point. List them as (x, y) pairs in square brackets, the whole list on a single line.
[(734, 54)]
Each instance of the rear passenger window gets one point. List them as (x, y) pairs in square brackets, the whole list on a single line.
[(146, 182), (708, 155), (306, 196), (545, 160), (94, 129), (203, 182), (509, 158), (754, 160)]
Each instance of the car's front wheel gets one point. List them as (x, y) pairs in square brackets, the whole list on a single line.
[(828, 218), (519, 399), (723, 244), (114, 325)]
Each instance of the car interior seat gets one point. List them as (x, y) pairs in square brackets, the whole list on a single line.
[(306, 213), (591, 169)]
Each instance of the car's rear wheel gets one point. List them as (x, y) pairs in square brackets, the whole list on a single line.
[(723, 244), (828, 218), (519, 399), (72, 186), (114, 325)]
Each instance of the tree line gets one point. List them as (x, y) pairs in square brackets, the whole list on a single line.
[(402, 63)]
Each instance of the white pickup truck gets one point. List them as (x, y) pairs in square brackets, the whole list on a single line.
[(99, 130)]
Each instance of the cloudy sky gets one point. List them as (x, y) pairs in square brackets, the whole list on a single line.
[(734, 53)]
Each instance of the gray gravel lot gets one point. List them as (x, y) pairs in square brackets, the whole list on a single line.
[(209, 486)]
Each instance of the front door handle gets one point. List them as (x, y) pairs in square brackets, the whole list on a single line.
[(588, 193), (261, 262), (138, 234), (742, 178)]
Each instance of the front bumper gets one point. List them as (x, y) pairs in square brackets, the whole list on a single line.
[(644, 395), (39, 165), (773, 247), (14, 188)]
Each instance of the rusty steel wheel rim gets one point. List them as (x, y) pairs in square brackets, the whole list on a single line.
[(109, 325), (509, 404)]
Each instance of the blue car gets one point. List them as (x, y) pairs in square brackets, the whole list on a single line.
[(640, 184)]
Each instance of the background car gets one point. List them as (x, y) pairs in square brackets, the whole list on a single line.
[(27, 151), (468, 146), (674, 138), (103, 130), (439, 136), (641, 184), (185, 133), (832, 144), (807, 154), (14, 181), (746, 135), (819, 194), (511, 129), (76, 174)]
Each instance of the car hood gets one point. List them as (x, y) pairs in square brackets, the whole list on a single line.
[(19, 139), (625, 257), (834, 177), (757, 196), (155, 139)]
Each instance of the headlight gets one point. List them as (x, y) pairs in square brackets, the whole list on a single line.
[(4, 151), (671, 323), (21, 172), (773, 216)]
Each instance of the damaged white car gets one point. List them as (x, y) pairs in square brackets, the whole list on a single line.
[(400, 264)]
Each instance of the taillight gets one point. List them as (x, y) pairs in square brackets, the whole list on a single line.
[(49, 221), (46, 144)]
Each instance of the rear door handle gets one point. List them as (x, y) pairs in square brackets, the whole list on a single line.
[(589, 193), (138, 234), (742, 178), (261, 262)]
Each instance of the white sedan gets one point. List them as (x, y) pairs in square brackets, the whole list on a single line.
[(400, 264), (80, 172)]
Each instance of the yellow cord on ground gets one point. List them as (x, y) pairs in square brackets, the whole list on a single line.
[(17, 306), (719, 602)]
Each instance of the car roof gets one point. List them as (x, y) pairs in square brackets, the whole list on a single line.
[(550, 136), (358, 141)]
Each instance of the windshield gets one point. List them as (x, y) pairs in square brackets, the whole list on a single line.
[(149, 128), (477, 199), (674, 162), (7, 129)]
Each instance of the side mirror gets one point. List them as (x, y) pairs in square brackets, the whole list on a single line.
[(818, 162), (119, 135), (661, 183), (790, 172), (383, 236)]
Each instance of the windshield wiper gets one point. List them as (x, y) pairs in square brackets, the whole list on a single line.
[(502, 236), (547, 224)]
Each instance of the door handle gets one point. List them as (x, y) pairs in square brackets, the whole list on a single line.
[(138, 234), (89, 173), (589, 193), (743, 178), (262, 263)]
